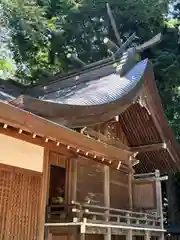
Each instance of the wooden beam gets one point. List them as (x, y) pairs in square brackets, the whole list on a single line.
[(101, 137), (149, 147), (134, 162), (172, 152)]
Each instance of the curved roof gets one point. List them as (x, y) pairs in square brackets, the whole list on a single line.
[(96, 96), (104, 90), (88, 102)]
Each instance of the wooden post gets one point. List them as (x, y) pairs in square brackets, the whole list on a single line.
[(130, 177), (159, 201), (73, 188), (44, 186), (129, 233), (147, 235), (46, 233), (107, 198), (83, 230), (82, 236)]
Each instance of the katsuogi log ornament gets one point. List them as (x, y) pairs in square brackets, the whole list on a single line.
[(127, 56)]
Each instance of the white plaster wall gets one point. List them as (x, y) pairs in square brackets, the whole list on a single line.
[(18, 153)]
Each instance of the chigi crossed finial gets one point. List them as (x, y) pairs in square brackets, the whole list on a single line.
[(121, 51)]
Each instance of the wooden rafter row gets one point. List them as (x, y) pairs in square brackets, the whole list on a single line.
[(155, 147), (44, 141), (149, 147), (32, 123)]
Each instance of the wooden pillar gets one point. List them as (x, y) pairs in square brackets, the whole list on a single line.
[(159, 202), (129, 233), (73, 187), (130, 178), (82, 236), (83, 230), (47, 234), (147, 235), (107, 197), (44, 186)]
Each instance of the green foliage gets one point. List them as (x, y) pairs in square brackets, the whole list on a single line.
[(7, 68), (44, 31), (166, 61)]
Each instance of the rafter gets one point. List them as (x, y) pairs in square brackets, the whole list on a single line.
[(134, 162), (149, 147)]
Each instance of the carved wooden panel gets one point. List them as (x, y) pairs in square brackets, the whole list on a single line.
[(20, 203), (115, 131), (90, 181), (119, 194), (144, 195)]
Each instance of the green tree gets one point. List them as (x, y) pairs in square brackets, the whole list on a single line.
[(6, 63), (43, 32), (166, 59)]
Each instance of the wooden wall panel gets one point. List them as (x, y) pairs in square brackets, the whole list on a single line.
[(94, 237), (59, 237), (90, 181), (90, 184), (20, 216), (25, 155), (144, 195), (119, 194)]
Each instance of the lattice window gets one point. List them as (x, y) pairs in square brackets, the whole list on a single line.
[(5, 187), (19, 204)]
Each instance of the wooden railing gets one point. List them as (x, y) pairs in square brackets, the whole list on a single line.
[(60, 212), (77, 212)]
